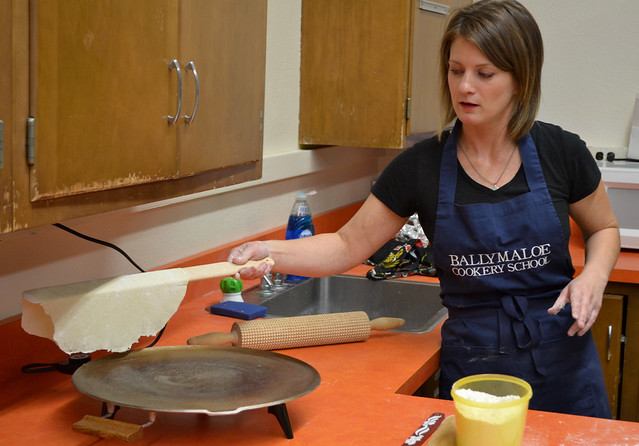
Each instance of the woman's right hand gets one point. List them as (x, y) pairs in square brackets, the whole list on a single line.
[(250, 251)]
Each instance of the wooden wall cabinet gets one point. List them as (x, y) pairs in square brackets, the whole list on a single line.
[(132, 102), (369, 73), (6, 119)]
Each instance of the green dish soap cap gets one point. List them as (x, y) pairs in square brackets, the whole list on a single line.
[(231, 285), (231, 289)]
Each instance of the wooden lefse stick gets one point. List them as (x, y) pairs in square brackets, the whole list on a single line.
[(378, 324)]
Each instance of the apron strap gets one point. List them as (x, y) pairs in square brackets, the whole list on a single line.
[(514, 318), (514, 314)]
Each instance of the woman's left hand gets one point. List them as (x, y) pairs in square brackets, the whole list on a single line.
[(585, 297)]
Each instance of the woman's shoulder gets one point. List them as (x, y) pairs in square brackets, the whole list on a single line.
[(421, 155), (553, 135), (566, 160), (434, 142), (429, 149)]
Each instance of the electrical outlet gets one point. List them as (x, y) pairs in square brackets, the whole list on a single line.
[(620, 152)]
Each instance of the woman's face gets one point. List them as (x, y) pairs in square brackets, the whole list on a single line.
[(482, 94)]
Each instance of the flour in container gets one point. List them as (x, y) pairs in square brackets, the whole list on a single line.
[(483, 397)]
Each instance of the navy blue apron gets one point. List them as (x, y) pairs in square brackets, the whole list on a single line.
[(501, 266)]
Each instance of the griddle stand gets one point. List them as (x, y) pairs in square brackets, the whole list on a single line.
[(280, 412)]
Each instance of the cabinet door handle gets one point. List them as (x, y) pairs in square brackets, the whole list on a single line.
[(191, 66), (609, 354), (175, 64)]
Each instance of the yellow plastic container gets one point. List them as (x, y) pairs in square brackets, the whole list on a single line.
[(499, 422)]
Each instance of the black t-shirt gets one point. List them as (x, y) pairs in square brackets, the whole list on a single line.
[(410, 182)]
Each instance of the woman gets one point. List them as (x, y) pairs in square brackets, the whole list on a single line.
[(494, 196)]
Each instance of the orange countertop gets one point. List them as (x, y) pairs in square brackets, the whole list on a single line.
[(626, 269), (363, 399)]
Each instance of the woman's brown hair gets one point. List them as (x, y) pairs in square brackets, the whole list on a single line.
[(506, 32)]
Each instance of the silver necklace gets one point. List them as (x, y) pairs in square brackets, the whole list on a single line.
[(494, 183)]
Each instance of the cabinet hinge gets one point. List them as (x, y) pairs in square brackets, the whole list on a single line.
[(437, 8), (31, 140), (1, 144), (408, 108)]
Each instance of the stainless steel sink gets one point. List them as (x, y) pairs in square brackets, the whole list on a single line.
[(416, 302)]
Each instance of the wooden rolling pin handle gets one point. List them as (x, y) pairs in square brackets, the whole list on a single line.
[(386, 323), (215, 339), (221, 269)]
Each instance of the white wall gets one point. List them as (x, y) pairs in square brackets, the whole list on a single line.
[(591, 69), (590, 79)]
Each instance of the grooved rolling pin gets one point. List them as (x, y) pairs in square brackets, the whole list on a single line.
[(299, 331)]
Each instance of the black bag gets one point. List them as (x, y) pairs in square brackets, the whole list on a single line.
[(401, 259)]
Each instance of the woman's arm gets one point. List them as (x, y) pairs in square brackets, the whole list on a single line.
[(325, 254), (600, 231)]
